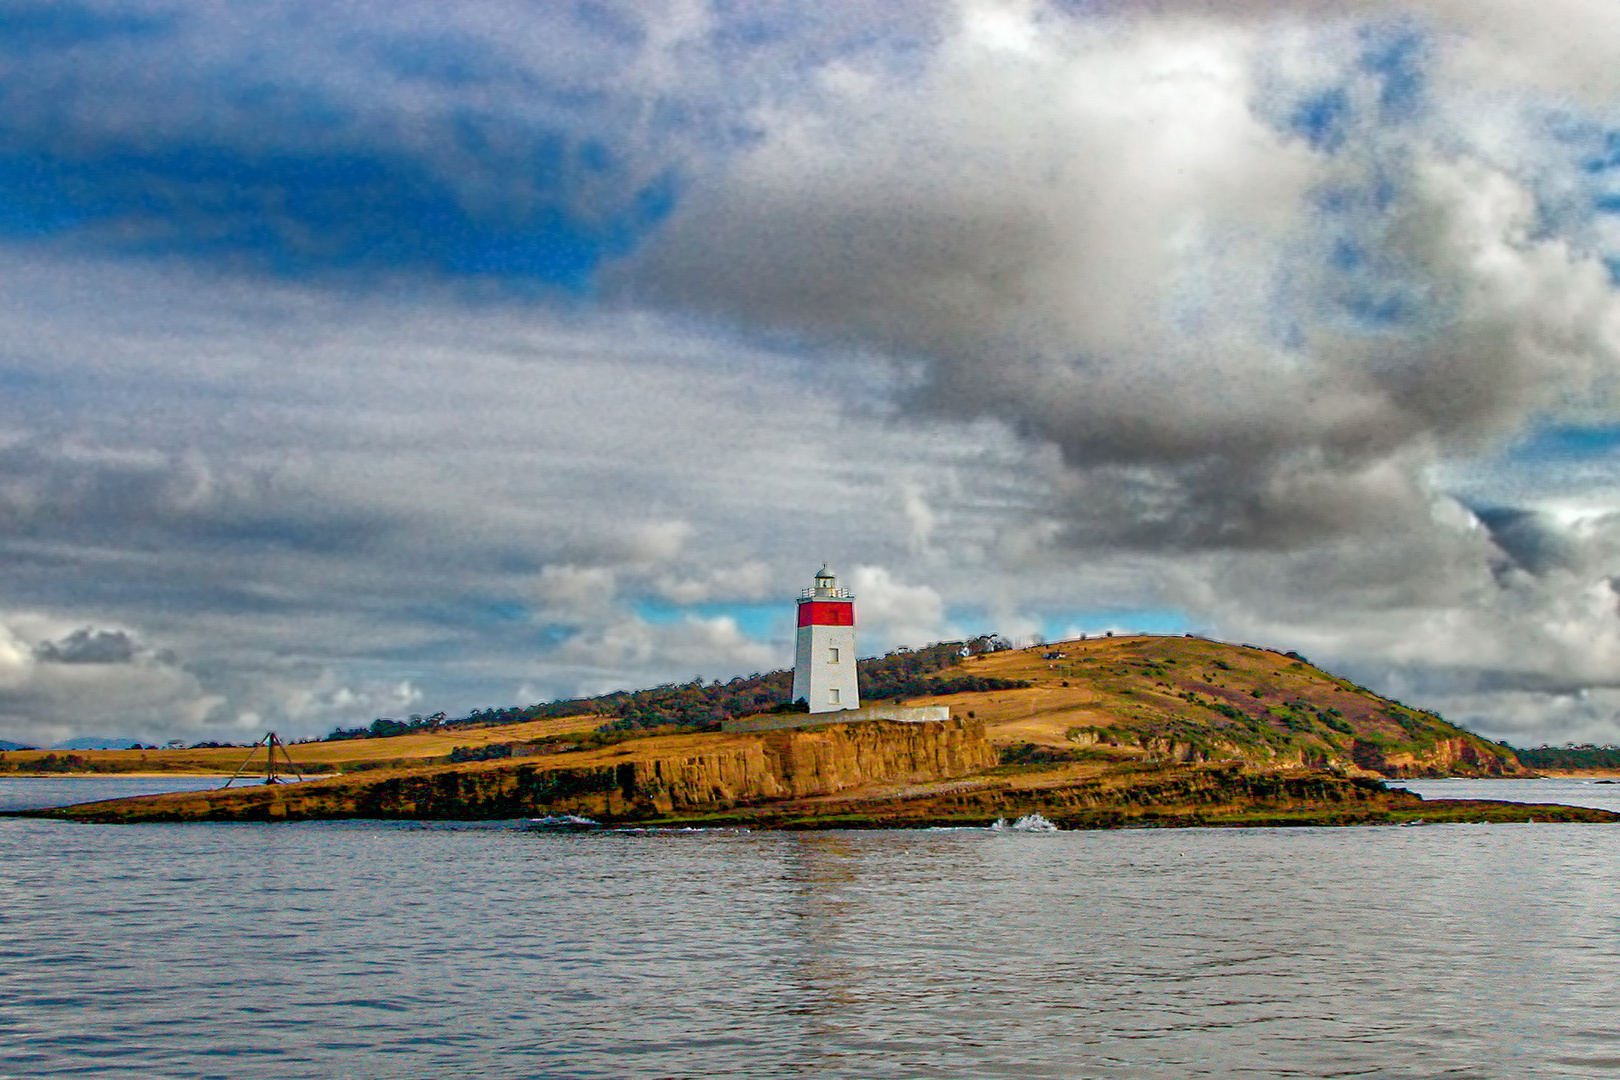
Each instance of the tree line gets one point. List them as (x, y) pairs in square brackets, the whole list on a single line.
[(1571, 757), (698, 704)]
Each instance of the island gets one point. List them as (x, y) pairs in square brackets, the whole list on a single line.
[(1100, 732)]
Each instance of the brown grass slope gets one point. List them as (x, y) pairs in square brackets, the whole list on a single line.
[(1187, 699), (349, 755)]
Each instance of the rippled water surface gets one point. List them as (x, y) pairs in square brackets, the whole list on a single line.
[(362, 949), (36, 792), (1604, 795)]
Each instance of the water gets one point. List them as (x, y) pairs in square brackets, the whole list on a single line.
[(39, 792), (1567, 792), (389, 950)]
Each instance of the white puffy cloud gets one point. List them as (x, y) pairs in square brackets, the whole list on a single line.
[(1258, 311), (892, 613), (326, 699), (1109, 237), (571, 591), (748, 581), (611, 657)]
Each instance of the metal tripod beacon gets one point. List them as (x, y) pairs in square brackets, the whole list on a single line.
[(824, 662)]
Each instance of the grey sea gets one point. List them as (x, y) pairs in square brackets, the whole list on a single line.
[(368, 949)]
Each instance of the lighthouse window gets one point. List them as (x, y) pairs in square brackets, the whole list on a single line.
[(832, 655), (832, 696)]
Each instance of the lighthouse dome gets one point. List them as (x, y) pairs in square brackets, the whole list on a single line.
[(826, 586)]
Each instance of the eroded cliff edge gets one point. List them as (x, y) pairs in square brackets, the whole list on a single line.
[(646, 779), (868, 774)]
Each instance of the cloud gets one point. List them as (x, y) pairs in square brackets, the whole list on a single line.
[(599, 657), (1518, 609), (1559, 47), (358, 363), (1238, 322), (1256, 276), (1531, 539), (295, 142), (303, 497), (89, 646), (55, 683), (892, 613), (574, 590), (747, 582), (328, 700)]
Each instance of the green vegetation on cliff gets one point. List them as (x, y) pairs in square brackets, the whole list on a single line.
[(1189, 699)]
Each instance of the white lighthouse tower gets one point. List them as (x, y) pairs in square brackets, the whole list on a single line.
[(824, 662)]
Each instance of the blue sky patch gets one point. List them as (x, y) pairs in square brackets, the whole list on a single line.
[(54, 25), (1129, 620), (1570, 442), (311, 211), (1396, 56), (1323, 119), (762, 622)]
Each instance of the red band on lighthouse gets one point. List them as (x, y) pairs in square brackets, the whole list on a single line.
[(826, 613)]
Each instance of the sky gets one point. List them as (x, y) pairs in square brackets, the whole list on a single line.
[(364, 359)]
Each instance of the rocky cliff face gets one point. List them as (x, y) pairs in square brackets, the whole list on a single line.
[(1224, 787), (630, 783), (1460, 756)]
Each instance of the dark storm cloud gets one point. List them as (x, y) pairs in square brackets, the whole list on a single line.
[(1531, 539), (89, 646)]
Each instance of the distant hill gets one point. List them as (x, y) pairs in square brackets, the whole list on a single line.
[(7, 744), (93, 742), (1572, 758)]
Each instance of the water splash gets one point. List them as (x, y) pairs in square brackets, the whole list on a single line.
[(561, 821), (1029, 823)]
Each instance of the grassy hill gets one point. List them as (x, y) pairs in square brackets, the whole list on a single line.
[(1187, 699)]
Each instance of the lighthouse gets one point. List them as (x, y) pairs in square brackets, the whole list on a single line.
[(824, 672), (824, 661)]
